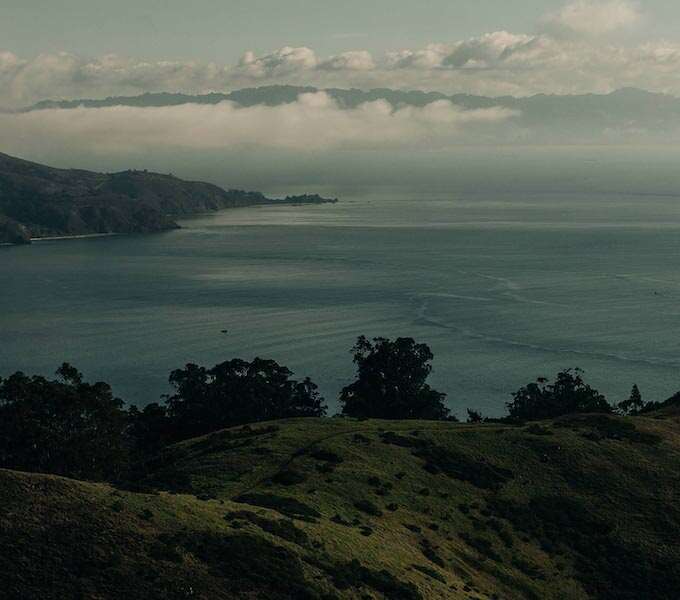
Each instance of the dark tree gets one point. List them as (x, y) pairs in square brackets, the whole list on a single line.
[(390, 382), (237, 392), (634, 404), (150, 428), (567, 394), (474, 416), (64, 426)]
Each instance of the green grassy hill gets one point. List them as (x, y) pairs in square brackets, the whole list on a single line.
[(582, 507)]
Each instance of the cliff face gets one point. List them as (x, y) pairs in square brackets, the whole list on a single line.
[(40, 201)]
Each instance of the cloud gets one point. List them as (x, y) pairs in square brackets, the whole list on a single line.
[(354, 60), (313, 123), (496, 63), (486, 51), (573, 51), (281, 62), (593, 17), (65, 75)]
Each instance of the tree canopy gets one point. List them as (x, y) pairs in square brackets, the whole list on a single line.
[(391, 381), (567, 394), (237, 392), (62, 426)]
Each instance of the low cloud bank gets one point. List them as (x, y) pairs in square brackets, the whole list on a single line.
[(314, 122)]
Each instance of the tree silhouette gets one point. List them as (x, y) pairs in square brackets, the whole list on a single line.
[(237, 392), (474, 416), (64, 426), (634, 404), (391, 381), (567, 394)]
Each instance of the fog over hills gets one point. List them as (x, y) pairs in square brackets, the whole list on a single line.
[(632, 99), (541, 117)]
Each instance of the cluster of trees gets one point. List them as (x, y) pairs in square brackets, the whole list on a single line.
[(69, 427), (232, 393), (63, 426)]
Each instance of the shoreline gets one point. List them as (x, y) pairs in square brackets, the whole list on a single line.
[(182, 217), (71, 237)]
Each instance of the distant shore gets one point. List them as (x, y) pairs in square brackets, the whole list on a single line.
[(72, 237)]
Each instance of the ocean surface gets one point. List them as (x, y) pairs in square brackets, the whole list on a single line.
[(504, 287)]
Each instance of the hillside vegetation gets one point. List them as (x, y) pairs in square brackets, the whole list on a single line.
[(584, 506), (40, 201)]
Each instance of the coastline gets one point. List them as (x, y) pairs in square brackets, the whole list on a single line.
[(288, 201), (53, 238)]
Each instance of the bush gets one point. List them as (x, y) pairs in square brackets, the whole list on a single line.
[(281, 528), (354, 574), (604, 427), (286, 506), (326, 456), (430, 552), (289, 477), (460, 466), (430, 572), (253, 566), (368, 507)]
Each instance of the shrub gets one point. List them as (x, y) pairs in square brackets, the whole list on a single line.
[(281, 528), (252, 565), (430, 552), (461, 466), (389, 437), (354, 574), (286, 506), (289, 477), (610, 428), (430, 572), (326, 456), (368, 507)]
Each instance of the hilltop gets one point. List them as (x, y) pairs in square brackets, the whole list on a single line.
[(578, 507), (40, 201)]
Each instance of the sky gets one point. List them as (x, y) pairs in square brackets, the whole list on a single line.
[(92, 48), (95, 49), (221, 30)]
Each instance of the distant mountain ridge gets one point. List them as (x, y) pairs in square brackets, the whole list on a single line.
[(275, 95), (40, 201), (625, 113)]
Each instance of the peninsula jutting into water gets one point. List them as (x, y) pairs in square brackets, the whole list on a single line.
[(37, 201)]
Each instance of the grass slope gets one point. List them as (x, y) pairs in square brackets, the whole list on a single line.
[(582, 507)]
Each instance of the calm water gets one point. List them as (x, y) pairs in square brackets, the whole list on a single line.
[(503, 287)]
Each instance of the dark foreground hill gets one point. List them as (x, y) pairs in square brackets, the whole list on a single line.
[(580, 507), (40, 201)]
